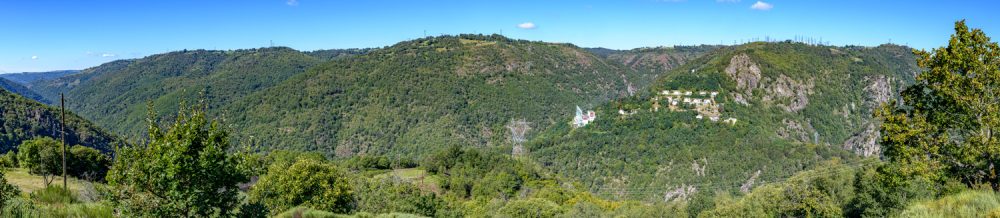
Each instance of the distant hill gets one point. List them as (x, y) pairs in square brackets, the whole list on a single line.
[(792, 105), (23, 119), (115, 94), (29, 77), (409, 98), (331, 54), (651, 63), (21, 90)]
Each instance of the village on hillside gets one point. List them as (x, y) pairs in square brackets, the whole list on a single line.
[(703, 102)]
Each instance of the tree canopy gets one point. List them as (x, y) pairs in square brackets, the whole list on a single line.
[(945, 125)]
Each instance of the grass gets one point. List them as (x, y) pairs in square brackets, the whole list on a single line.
[(416, 176), (965, 204), (29, 183)]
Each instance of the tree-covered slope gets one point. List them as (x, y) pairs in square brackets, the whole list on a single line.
[(21, 90), (424, 94), (24, 119), (794, 105), (115, 94)]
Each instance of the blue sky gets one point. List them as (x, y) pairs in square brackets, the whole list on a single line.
[(41, 35)]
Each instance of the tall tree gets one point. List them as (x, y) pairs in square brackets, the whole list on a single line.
[(41, 156), (944, 127), (184, 171)]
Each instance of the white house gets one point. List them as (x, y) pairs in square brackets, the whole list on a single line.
[(582, 119)]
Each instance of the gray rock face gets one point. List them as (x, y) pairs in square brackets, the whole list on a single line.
[(877, 92), (746, 73), (787, 93), (865, 143)]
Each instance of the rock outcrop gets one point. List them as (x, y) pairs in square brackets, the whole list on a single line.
[(865, 143), (794, 130), (877, 92), (747, 75), (789, 94)]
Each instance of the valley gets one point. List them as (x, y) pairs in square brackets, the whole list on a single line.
[(517, 109)]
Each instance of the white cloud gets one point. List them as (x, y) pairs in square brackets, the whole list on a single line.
[(34, 57), (527, 25), (763, 6), (292, 2), (108, 55)]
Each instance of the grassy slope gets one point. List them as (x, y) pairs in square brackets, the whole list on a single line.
[(29, 183), (965, 204)]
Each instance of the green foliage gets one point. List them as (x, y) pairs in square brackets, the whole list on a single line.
[(219, 77), (943, 127), (9, 160), (185, 170), (54, 195), (374, 195), (879, 194), (22, 119), (306, 182), (41, 156), (7, 191), (823, 192), (87, 163), (532, 207)]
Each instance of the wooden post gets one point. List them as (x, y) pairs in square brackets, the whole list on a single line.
[(62, 104)]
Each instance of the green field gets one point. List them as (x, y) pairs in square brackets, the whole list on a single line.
[(28, 183), (416, 176)]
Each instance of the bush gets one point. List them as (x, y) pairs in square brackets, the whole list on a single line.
[(308, 183), (87, 163), (183, 171), (533, 207), (7, 191), (54, 195), (42, 156), (8, 160)]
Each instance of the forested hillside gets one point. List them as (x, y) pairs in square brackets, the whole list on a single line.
[(24, 119), (757, 112), (426, 94), (416, 95), (115, 94), (21, 90)]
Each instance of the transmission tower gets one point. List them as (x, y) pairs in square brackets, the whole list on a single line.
[(518, 128)]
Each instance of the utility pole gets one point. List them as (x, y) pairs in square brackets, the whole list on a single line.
[(62, 104)]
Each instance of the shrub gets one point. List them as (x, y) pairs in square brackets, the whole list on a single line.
[(533, 207), (307, 182), (183, 171), (87, 163), (54, 195), (7, 191), (8, 160)]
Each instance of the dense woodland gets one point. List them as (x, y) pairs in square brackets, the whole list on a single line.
[(418, 129)]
